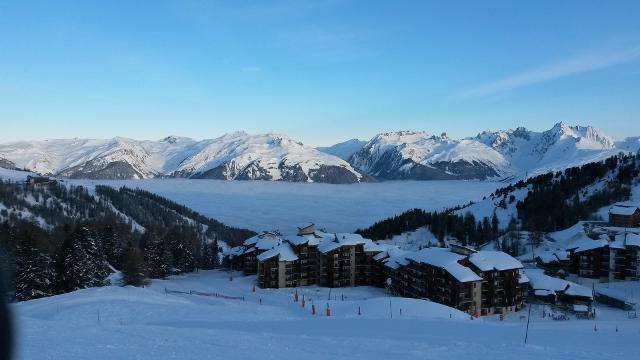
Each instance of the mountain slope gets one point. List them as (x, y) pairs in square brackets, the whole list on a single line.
[(233, 156), (240, 156), (413, 155), (511, 153), (345, 149), (417, 155)]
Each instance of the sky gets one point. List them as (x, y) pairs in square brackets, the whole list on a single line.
[(319, 71)]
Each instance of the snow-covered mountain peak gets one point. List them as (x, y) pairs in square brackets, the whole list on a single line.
[(587, 137), (173, 139)]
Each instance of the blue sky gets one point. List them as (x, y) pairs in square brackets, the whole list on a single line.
[(320, 71)]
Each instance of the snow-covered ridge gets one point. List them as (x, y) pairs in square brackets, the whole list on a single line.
[(413, 155), (232, 156), (505, 153)]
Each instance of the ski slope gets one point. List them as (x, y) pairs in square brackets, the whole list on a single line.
[(146, 323)]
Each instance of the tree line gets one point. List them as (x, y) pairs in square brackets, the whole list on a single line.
[(63, 238), (554, 201)]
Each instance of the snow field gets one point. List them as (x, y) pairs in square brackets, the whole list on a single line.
[(146, 323)]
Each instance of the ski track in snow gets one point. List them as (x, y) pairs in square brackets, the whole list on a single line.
[(264, 205), (146, 323)]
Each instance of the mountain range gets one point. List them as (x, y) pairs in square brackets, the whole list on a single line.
[(414, 155)]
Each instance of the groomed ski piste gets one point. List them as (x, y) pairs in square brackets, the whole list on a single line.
[(228, 320)]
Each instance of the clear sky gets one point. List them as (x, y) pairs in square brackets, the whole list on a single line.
[(320, 71)]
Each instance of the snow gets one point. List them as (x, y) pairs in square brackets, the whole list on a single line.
[(445, 259), (413, 240), (512, 153), (333, 241), (283, 251), (425, 149), (613, 293), (345, 149), (584, 243), (623, 210), (539, 281), (632, 239), (14, 175), (145, 323), (487, 260), (580, 308), (265, 205), (172, 154)]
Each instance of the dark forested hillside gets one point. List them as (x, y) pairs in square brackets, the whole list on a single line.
[(553, 201), (60, 238), (141, 205)]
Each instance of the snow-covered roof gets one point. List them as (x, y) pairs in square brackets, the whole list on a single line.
[(543, 292), (267, 242), (234, 251), (618, 242), (310, 239), (487, 260), (581, 242), (580, 308), (340, 239), (540, 281), (445, 259), (283, 251), (613, 293), (523, 279), (632, 240), (374, 247), (547, 257), (561, 255), (256, 238), (392, 257), (591, 245), (626, 210), (579, 290)]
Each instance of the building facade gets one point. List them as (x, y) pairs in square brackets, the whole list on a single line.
[(477, 282)]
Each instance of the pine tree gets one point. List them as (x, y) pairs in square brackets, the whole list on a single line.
[(209, 258), (74, 269), (34, 274), (216, 254), (495, 224), (133, 269), (80, 262), (112, 246), (157, 256)]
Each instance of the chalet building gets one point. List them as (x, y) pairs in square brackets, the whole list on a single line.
[(307, 230), (369, 271), (306, 247), (39, 180), (553, 262), (233, 258), (277, 267), (624, 215), (501, 287), (591, 260), (255, 246), (609, 258), (311, 257), (388, 266), (437, 274), (558, 291), (339, 257), (615, 298)]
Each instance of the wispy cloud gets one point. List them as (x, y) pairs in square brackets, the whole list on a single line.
[(573, 66), (250, 69)]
